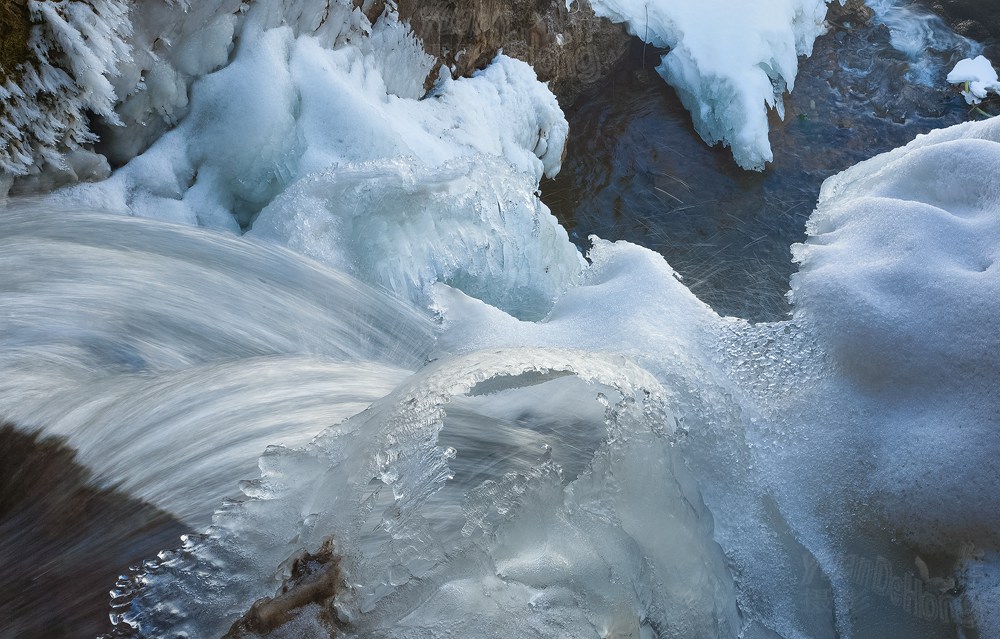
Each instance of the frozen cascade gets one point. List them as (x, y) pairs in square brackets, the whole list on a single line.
[(406, 227), (323, 118), (631, 464), (434, 543)]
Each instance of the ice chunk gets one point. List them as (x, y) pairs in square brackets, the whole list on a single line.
[(173, 44), (730, 60), (476, 225), (977, 77)]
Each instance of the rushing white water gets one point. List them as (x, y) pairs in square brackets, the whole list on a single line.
[(164, 354), (921, 36), (581, 448)]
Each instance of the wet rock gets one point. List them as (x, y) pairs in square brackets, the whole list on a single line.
[(570, 49), (976, 19), (315, 578), (855, 11), (64, 541)]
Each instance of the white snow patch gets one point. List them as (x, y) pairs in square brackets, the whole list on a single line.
[(977, 77)]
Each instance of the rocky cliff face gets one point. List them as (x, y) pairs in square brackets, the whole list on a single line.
[(569, 49), (15, 27)]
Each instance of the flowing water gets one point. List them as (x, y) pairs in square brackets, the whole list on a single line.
[(465, 473), (637, 171)]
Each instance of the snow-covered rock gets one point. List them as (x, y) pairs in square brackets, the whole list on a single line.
[(977, 77), (730, 61)]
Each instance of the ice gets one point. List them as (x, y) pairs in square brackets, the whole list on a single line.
[(405, 227), (977, 77), (583, 448), (881, 391), (173, 43), (72, 48), (622, 547), (330, 140), (730, 61)]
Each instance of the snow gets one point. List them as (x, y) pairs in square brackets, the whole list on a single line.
[(977, 77), (899, 277), (730, 61)]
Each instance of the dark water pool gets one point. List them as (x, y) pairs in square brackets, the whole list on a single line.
[(636, 170)]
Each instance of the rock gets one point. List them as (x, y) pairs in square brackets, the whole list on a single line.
[(64, 541), (315, 578), (569, 49), (976, 19), (15, 27)]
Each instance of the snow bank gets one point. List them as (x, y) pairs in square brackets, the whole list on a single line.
[(729, 60), (899, 281)]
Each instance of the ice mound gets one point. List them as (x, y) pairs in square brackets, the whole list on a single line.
[(405, 227), (435, 542), (899, 272), (730, 60), (629, 301), (173, 43), (899, 282)]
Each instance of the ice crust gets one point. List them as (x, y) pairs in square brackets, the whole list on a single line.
[(328, 137), (623, 547), (730, 61)]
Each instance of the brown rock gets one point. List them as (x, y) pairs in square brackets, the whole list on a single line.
[(569, 49), (315, 579), (977, 19)]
